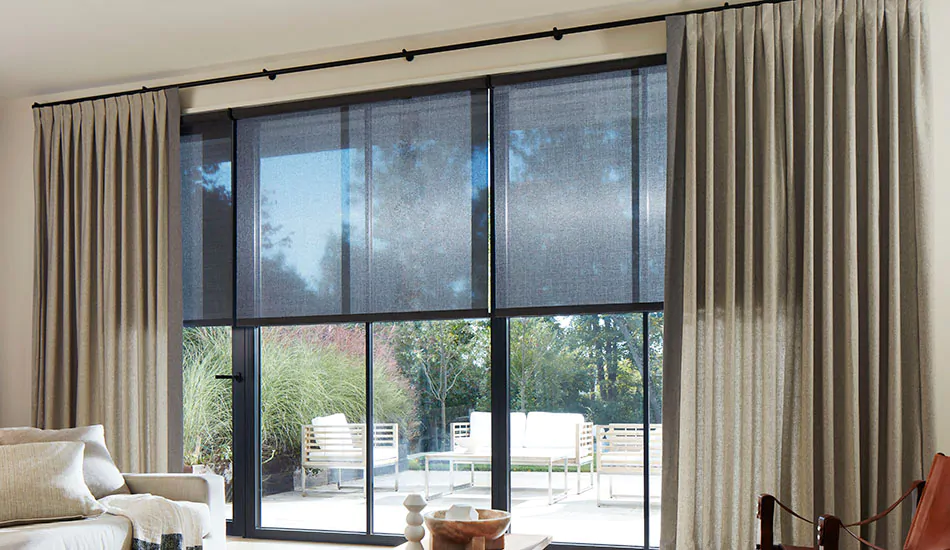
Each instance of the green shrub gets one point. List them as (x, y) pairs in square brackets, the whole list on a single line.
[(207, 402), (305, 372), (314, 371)]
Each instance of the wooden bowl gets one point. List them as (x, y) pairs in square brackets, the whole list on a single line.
[(491, 524)]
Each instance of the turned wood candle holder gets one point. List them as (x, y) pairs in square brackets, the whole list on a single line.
[(485, 533)]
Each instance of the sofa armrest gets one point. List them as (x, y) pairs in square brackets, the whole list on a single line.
[(201, 488)]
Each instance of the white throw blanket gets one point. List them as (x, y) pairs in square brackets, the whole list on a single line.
[(159, 523)]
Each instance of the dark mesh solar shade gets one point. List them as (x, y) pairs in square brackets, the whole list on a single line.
[(207, 226), (580, 190), (364, 209)]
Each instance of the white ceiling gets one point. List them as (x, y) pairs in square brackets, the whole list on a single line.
[(52, 46)]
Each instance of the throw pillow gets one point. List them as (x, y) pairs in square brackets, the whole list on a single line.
[(44, 482), (100, 472)]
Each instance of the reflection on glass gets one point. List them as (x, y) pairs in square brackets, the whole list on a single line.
[(313, 415), (432, 381), (363, 209), (656, 423), (206, 226), (577, 427), (206, 404), (580, 178)]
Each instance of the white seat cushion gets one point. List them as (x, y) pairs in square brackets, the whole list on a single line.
[(622, 459), (480, 434), (543, 452), (552, 430), (354, 455), (523, 453), (338, 419), (105, 532), (518, 423), (334, 441)]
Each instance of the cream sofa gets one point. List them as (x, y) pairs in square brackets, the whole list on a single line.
[(108, 532)]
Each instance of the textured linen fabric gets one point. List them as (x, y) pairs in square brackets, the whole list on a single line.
[(43, 482), (99, 471), (104, 532), (205, 489), (107, 284), (158, 522), (797, 352), (115, 532)]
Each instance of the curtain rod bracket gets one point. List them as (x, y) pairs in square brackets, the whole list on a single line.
[(557, 34), (270, 75), (408, 55)]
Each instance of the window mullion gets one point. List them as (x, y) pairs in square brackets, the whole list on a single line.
[(500, 418), (369, 472)]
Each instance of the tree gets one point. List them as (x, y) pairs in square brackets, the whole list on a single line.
[(545, 372), (448, 360)]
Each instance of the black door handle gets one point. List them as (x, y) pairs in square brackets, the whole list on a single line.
[(236, 377)]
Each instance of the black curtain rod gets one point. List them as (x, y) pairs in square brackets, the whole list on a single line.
[(409, 55)]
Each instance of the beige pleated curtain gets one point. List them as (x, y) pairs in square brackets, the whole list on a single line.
[(107, 298), (797, 351)]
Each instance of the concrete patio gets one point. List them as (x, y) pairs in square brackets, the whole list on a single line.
[(575, 519)]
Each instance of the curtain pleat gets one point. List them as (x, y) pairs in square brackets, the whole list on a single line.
[(796, 352), (105, 300)]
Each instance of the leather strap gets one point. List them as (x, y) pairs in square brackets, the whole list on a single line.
[(872, 519), (792, 512)]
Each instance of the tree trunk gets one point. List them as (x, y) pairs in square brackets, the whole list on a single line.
[(445, 436), (611, 360)]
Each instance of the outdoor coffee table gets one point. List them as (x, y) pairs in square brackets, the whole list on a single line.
[(453, 457)]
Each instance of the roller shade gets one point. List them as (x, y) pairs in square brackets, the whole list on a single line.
[(370, 208), (580, 183), (207, 223)]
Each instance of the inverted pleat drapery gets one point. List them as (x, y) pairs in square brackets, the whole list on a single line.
[(796, 347), (107, 298)]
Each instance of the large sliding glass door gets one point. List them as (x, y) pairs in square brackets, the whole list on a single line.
[(580, 193), (453, 290)]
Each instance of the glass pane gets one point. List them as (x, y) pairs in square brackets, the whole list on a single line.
[(581, 185), (292, 175), (364, 209), (207, 225), (577, 428), (313, 414), (656, 424), (432, 386), (207, 404)]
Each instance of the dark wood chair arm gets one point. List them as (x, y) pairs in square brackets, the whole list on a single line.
[(766, 516), (829, 532)]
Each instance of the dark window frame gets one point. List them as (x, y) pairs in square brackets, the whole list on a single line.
[(246, 334)]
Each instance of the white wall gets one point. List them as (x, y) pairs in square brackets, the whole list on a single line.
[(16, 261), (16, 141)]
